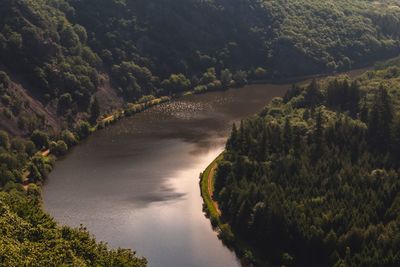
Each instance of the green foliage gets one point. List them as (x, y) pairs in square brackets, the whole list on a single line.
[(30, 148), (177, 83), (133, 80), (317, 36), (64, 103), (58, 148), (40, 139), (31, 237), (83, 130), (240, 78), (309, 183), (260, 73), (46, 49), (69, 138), (4, 140), (226, 78), (59, 47), (159, 47), (94, 110)]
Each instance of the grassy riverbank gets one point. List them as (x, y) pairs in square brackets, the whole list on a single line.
[(211, 209), (207, 182)]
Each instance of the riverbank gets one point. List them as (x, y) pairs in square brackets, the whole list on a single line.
[(207, 187), (247, 255), (133, 108)]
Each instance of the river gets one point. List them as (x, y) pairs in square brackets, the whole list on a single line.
[(135, 184)]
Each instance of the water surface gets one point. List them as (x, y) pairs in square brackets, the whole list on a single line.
[(136, 184)]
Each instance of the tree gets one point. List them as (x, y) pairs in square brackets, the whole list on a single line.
[(58, 148), (30, 148), (4, 140), (232, 143), (318, 135), (64, 103), (69, 138), (4, 79), (260, 73), (380, 120), (353, 101), (176, 83), (208, 77), (287, 135), (240, 78), (313, 96), (226, 78), (94, 111), (40, 139), (83, 130)]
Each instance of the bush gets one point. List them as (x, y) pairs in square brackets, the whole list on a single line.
[(260, 73), (226, 78), (200, 89), (226, 233), (30, 148), (83, 130), (240, 78), (7, 113), (4, 140), (40, 139), (64, 103), (58, 148), (176, 83), (146, 98), (69, 138), (4, 79)]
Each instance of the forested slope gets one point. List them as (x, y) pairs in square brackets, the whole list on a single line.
[(29, 237), (65, 51), (63, 63), (314, 179)]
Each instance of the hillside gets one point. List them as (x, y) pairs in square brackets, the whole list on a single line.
[(65, 52), (29, 237), (314, 179), (66, 63)]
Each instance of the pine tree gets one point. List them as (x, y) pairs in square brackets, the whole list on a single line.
[(94, 111), (318, 135), (287, 135), (233, 140), (379, 121), (353, 99), (313, 96)]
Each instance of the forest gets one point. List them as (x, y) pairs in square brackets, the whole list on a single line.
[(65, 64), (313, 180), (66, 52)]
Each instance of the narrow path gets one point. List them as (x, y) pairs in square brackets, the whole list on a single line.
[(211, 188)]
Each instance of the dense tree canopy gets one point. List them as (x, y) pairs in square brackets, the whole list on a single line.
[(29, 237), (314, 179), (61, 46), (61, 61)]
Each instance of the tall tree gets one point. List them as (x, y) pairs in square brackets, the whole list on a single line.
[(94, 111)]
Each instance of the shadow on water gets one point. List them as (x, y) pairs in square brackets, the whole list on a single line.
[(135, 183)]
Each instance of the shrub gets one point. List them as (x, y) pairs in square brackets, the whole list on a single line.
[(40, 139), (58, 148), (83, 130), (69, 138)]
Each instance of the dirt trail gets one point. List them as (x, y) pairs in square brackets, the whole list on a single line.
[(210, 187)]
